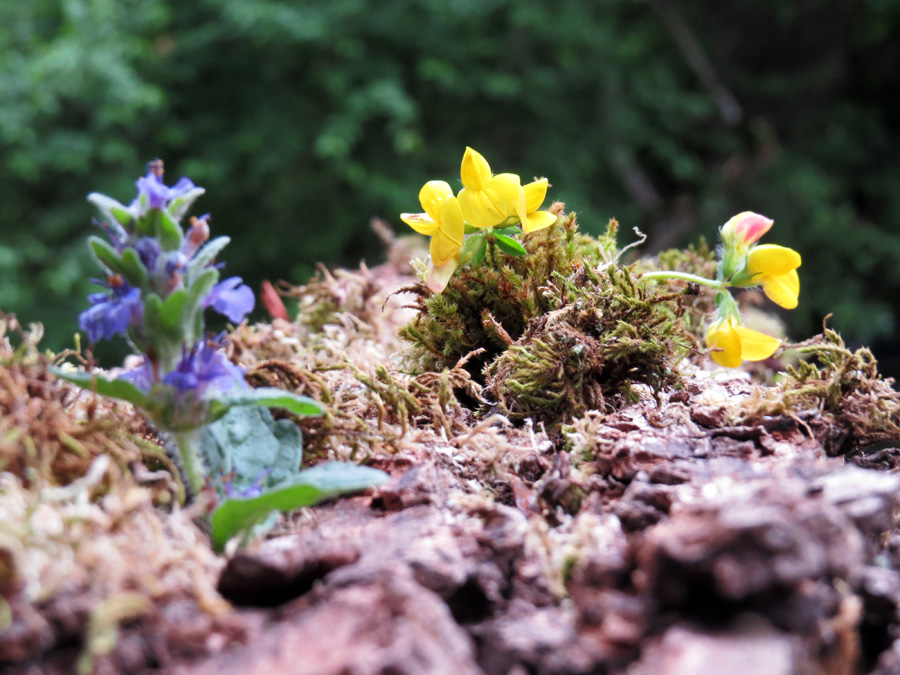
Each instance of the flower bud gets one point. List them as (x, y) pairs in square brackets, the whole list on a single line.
[(744, 229)]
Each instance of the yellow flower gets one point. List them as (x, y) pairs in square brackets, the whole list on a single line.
[(730, 343), (442, 220), (534, 197), (775, 267), (488, 200)]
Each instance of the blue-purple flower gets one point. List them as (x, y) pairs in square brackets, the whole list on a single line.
[(157, 193), (149, 250), (113, 312), (204, 370), (232, 298)]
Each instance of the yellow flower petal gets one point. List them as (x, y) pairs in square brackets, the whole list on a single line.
[(783, 289), (420, 222), (475, 171), (505, 190), (500, 198), (535, 193), (756, 346), (449, 237), (724, 344), (772, 260), (432, 195), (538, 221)]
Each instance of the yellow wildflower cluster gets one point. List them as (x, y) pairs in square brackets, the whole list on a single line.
[(496, 204), (745, 264)]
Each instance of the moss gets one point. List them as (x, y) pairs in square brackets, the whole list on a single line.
[(847, 402), (489, 306), (51, 433), (602, 335)]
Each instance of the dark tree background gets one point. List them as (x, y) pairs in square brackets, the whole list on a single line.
[(304, 120)]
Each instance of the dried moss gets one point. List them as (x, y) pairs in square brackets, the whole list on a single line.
[(51, 432), (602, 335), (488, 306), (838, 393)]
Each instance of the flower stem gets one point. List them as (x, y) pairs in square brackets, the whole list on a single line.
[(190, 460), (683, 276)]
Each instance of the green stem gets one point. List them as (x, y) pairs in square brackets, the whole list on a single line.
[(190, 460), (683, 276)]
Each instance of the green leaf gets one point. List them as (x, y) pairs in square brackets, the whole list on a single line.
[(119, 389), (473, 249), (204, 257), (192, 312), (178, 207), (148, 224), (269, 397), (133, 269), (171, 313), (106, 255), (112, 209), (510, 245), (152, 311), (170, 234), (510, 230), (247, 443), (238, 514), (471, 229)]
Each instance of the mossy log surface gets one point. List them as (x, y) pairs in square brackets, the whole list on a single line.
[(695, 518)]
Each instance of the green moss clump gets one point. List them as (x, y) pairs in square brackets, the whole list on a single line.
[(602, 335), (849, 406), (488, 306)]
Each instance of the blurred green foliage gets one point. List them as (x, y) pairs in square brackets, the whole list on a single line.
[(303, 120)]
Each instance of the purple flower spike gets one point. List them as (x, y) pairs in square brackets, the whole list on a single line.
[(232, 298), (112, 315)]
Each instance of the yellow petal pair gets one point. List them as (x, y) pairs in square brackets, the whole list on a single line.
[(730, 343), (488, 200), (775, 267), (534, 196), (442, 220)]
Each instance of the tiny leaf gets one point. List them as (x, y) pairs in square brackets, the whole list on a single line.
[(112, 209), (179, 206), (510, 230), (133, 269), (203, 257), (471, 229), (192, 312), (510, 245), (170, 234), (269, 397), (171, 313), (471, 247), (106, 255), (120, 389)]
